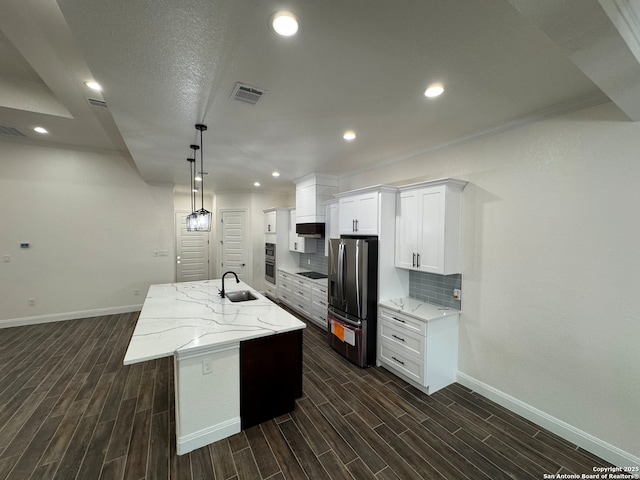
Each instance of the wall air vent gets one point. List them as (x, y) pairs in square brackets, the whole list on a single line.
[(11, 132), (246, 94), (97, 103)]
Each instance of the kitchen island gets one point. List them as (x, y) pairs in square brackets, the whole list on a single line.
[(236, 364)]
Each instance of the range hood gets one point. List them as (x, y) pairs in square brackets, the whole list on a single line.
[(312, 191), (310, 230)]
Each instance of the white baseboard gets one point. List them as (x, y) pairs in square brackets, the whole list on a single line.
[(602, 449), (193, 441), (58, 317)]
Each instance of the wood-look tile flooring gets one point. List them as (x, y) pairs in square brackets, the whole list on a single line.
[(70, 409)]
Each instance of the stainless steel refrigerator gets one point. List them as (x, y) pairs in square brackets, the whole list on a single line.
[(353, 298)]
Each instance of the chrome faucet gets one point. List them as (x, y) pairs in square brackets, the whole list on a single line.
[(225, 273)]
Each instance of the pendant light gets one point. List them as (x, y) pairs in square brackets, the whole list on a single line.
[(192, 217), (203, 217)]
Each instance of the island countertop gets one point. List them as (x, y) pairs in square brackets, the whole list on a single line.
[(190, 315)]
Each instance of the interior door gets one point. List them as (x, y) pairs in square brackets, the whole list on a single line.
[(192, 251), (235, 254)]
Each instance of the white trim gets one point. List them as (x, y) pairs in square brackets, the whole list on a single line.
[(598, 447), (208, 435), (58, 317)]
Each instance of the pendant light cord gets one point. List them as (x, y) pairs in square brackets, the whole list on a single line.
[(201, 172)]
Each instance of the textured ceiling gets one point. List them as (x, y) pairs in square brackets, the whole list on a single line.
[(167, 65)]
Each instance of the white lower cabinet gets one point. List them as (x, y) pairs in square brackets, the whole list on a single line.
[(270, 290), (319, 307), (424, 353), (284, 287), (301, 295), (304, 296)]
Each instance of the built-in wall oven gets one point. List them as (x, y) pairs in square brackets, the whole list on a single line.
[(270, 262)]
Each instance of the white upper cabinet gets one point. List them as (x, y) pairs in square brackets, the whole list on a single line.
[(296, 243), (270, 222), (359, 214), (428, 226), (312, 191)]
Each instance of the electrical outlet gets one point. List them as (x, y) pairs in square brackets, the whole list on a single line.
[(136, 291), (207, 367), (6, 258), (457, 294), (32, 302), (308, 261)]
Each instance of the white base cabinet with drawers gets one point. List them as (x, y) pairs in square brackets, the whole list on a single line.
[(422, 352), (304, 296), (319, 307)]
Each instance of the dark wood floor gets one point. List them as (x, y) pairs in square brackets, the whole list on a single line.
[(70, 409)]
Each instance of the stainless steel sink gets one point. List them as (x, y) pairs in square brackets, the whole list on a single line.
[(240, 296)]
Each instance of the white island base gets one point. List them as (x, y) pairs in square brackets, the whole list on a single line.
[(236, 364), (207, 405)]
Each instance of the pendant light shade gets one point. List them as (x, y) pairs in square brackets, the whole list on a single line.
[(202, 217)]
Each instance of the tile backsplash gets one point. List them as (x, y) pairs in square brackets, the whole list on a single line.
[(433, 288), (315, 261)]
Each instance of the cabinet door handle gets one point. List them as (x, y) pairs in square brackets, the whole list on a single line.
[(399, 338), (353, 225), (295, 245), (399, 361), (399, 320), (418, 260), (414, 260), (357, 224), (268, 228)]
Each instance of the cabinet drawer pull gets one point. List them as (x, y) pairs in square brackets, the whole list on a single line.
[(414, 260), (322, 303), (301, 293), (399, 319), (395, 336), (301, 307), (399, 361)]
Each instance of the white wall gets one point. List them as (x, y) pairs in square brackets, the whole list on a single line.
[(254, 203), (92, 224), (551, 258)]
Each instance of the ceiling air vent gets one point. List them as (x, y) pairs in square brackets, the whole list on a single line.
[(97, 103), (11, 132), (246, 94)]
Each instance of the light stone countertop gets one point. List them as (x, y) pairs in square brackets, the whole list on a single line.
[(418, 309), (189, 315), (296, 270)]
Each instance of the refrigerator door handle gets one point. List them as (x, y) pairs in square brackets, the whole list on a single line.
[(358, 306), (341, 283), (344, 319)]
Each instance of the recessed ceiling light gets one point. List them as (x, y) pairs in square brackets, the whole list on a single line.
[(256, 184), (93, 85), (275, 174), (349, 135), (41, 130), (434, 90), (284, 24)]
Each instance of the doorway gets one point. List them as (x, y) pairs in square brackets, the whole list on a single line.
[(234, 254), (192, 251)]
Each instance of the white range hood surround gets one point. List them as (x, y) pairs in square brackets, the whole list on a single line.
[(312, 191)]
